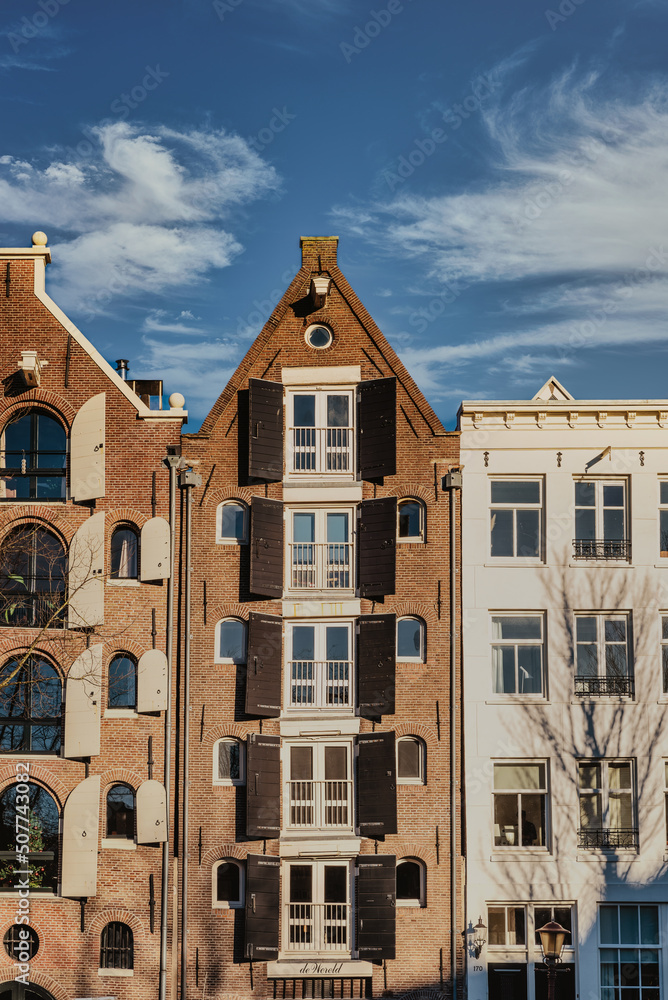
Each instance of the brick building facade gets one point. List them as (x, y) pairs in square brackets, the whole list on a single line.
[(319, 747), (84, 557)]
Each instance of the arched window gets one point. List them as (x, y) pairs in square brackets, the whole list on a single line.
[(31, 697), (230, 641), (233, 522), (411, 882), (228, 884), (116, 946), (122, 691), (121, 812), (33, 572), (411, 761), (31, 809), (410, 640), (32, 458), (124, 553), (410, 521), (229, 762)]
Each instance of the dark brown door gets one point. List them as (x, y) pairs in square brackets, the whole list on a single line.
[(507, 982), (376, 906)]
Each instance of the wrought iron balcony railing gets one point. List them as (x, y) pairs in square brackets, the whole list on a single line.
[(607, 839), (601, 548), (323, 927), (605, 686)]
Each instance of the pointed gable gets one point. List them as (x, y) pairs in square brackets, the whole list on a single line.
[(553, 391)]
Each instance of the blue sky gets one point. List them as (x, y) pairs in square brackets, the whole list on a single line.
[(496, 172)]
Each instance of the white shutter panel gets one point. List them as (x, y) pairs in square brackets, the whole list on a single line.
[(83, 690), (151, 813), (87, 450), (152, 681), (81, 821), (154, 561), (86, 575)]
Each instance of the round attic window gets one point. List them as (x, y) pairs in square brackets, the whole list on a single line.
[(319, 337)]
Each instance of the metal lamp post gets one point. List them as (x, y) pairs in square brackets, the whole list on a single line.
[(552, 939)]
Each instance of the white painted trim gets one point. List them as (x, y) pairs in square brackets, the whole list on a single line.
[(325, 609), (322, 375), (115, 972), (118, 844), (340, 492), (329, 848)]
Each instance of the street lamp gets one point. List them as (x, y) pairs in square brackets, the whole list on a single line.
[(480, 937), (552, 939)]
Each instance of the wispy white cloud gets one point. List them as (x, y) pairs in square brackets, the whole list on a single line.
[(160, 321), (149, 209), (197, 369)]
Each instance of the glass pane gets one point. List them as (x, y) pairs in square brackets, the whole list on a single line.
[(629, 925), (590, 812), (506, 821), (233, 525), (337, 411), (517, 627), (529, 669), (613, 496), (664, 627), (122, 683), (337, 642), (629, 967), (233, 641), (336, 884), (663, 527), (515, 492), (585, 494), (503, 669), (528, 533), (409, 520), (301, 882), (585, 525), (120, 812), (408, 638), (533, 820), (663, 490), (587, 659), (337, 527), (17, 440), (301, 763), (613, 525), (303, 527), (304, 411), (589, 775), (615, 630), (649, 968), (649, 925), (303, 642), (502, 533), (50, 438), (619, 775), (14, 683), (227, 883), (496, 918), (516, 925), (585, 629), (124, 552), (621, 812), (563, 916), (608, 925), (408, 880), (519, 776), (408, 759), (336, 764), (229, 760), (615, 661)]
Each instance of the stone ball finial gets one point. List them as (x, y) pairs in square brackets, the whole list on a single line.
[(177, 401), (39, 239)]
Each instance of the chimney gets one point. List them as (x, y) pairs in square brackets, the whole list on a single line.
[(318, 252), (122, 366)]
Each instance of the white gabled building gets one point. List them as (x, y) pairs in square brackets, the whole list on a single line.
[(565, 636)]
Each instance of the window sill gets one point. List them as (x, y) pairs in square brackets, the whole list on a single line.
[(603, 699), (411, 543), (235, 542), (120, 713), (625, 854), (612, 563), (521, 854), (514, 699), (115, 972), (220, 783), (516, 563), (415, 782), (118, 844), (123, 583), (227, 907), (413, 904)]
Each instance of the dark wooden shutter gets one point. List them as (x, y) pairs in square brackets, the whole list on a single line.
[(263, 882), (376, 906), (266, 430), (376, 662), (377, 427), (263, 785), (263, 676), (377, 546), (376, 784), (266, 556)]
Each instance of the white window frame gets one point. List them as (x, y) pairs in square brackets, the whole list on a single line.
[(220, 538), (659, 946), (422, 777), (531, 948), (515, 507), (663, 509), (217, 658), (421, 901), (228, 904), (319, 571), (545, 792), (321, 392), (229, 782), (530, 696), (601, 618), (318, 747), (422, 534), (320, 626), (599, 522), (522, 948), (422, 656), (606, 794), (318, 893)]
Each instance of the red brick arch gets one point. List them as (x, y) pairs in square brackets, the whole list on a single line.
[(228, 611), (42, 399), (118, 515), (412, 491), (224, 851), (38, 775), (112, 913), (416, 609), (41, 934), (237, 732), (116, 774), (216, 497), (408, 850), (417, 729), (39, 979), (50, 517)]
